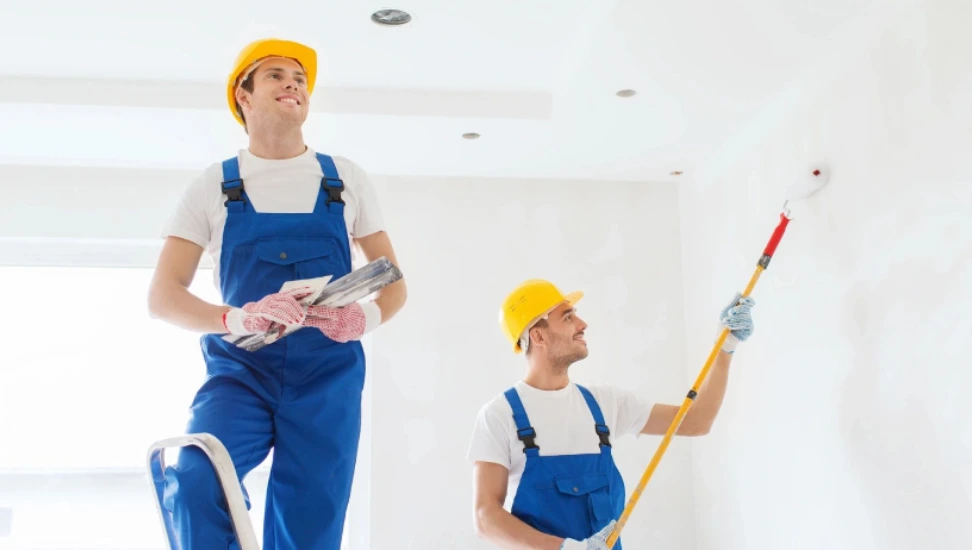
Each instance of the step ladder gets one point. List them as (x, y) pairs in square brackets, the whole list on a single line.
[(225, 473)]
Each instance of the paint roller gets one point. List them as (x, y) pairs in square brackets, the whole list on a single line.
[(811, 182)]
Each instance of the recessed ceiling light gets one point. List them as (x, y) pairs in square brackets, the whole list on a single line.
[(471, 135), (625, 93), (391, 17)]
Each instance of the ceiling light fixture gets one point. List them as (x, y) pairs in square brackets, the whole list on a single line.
[(625, 93), (471, 135), (391, 17)]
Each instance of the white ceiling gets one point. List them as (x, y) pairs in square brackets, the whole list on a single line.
[(119, 83)]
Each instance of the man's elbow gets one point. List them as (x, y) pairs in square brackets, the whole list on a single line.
[(157, 301), (402, 293), (481, 521), (154, 304), (694, 430)]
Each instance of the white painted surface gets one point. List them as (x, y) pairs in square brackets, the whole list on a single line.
[(847, 423)]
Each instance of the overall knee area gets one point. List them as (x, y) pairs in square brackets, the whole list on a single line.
[(191, 483)]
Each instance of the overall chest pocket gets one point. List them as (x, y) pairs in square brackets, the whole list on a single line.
[(307, 257), (594, 488)]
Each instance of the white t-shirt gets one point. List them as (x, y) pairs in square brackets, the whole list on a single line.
[(562, 420), (279, 186)]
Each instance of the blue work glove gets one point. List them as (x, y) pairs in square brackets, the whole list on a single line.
[(597, 541), (738, 319)]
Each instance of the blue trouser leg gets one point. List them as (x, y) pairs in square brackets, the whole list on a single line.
[(229, 409), (318, 427)]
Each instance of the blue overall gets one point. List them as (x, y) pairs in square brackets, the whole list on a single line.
[(570, 496), (300, 395)]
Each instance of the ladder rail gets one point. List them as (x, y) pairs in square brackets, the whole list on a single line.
[(225, 473)]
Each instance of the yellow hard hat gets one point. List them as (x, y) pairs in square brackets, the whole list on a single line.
[(270, 47), (528, 302)]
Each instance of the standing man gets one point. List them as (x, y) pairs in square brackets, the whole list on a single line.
[(275, 212), (545, 444)]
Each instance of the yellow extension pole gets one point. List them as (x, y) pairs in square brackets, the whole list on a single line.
[(690, 398)]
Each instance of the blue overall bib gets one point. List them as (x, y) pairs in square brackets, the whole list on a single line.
[(570, 496), (300, 395)]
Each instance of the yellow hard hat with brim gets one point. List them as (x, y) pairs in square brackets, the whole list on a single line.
[(527, 304), (270, 47)]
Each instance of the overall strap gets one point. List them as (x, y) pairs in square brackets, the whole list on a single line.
[(524, 431), (599, 426), (233, 186), (331, 187)]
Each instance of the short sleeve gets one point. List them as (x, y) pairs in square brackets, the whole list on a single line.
[(490, 439), (368, 218), (190, 220), (633, 411)]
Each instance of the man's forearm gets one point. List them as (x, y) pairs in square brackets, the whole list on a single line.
[(503, 529), (174, 304), (705, 408), (391, 299)]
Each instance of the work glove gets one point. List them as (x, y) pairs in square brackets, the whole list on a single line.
[(256, 317), (597, 541), (738, 319), (344, 324)]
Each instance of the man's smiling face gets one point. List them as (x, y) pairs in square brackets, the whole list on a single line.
[(279, 92)]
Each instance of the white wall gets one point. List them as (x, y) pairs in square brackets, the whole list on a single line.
[(847, 423), (89, 216), (462, 246)]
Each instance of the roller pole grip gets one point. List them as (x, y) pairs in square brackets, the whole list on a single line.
[(774, 242)]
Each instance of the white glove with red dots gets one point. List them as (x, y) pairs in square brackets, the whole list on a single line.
[(344, 324), (256, 317)]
